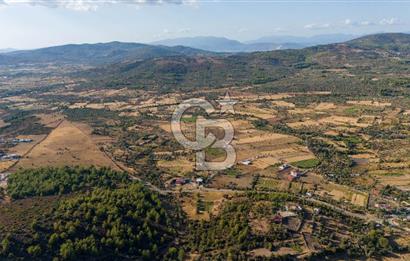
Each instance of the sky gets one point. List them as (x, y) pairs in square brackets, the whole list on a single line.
[(28, 24)]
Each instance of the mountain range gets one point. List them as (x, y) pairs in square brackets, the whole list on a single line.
[(119, 52), (306, 40), (94, 54), (221, 44), (373, 55), (105, 53)]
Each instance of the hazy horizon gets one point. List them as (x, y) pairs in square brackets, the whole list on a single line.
[(30, 24), (196, 36)]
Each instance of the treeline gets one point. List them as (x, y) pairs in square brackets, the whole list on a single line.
[(57, 181), (229, 236), (96, 117), (394, 192), (128, 223), (21, 122)]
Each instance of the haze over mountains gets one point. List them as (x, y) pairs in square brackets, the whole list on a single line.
[(104, 53), (7, 50), (221, 44), (126, 53), (269, 43)]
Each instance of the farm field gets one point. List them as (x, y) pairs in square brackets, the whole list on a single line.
[(202, 205), (65, 145)]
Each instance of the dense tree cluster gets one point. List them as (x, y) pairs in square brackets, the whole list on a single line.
[(21, 122), (128, 223), (334, 164), (97, 117), (229, 236), (373, 243), (394, 192), (230, 229), (124, 223), (54, 181)]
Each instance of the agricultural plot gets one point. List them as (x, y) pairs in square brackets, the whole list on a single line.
[(370, 103), (224, 181), (344, 193), (179, 166), (266, 149), (306, 164), (202, 205), (66, 145), (400, 180), (272, 184), (254, 110), (343, 121)]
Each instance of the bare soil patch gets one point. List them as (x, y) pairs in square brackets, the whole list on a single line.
[(66, 145)]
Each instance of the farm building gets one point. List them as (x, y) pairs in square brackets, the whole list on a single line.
[(11, 157), (284, 166), (246, 162)]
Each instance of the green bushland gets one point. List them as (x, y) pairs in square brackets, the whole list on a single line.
[(57, 181), (306, 164), (125, 223)]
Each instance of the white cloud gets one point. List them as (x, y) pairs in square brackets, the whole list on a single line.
[(390, 21), (278, 30), (89, 5), (317, 26), (243, 30), (365, 23), (349, 22), (383, 22)]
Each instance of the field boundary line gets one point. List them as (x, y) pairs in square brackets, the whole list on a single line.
[(34, 146)]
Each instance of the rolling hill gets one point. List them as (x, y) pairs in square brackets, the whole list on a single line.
[(394, 42), (305, 41), (93, 54), (320, 67)]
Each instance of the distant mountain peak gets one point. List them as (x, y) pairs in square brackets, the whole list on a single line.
[(269, 43), (222, 44)]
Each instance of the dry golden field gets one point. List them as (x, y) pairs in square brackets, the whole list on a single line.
[(66, 145)]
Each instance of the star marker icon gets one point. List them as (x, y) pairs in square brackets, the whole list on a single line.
[(227, 104)]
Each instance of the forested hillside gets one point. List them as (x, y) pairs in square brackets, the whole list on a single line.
[(329, 67), (101, 222), (94, 54)]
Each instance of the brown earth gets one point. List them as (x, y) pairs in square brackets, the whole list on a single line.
[(66, 145)]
